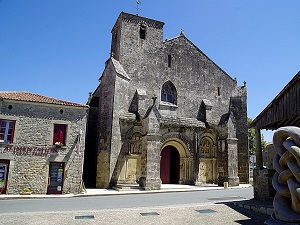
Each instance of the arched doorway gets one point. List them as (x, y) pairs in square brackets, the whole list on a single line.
[(170, 165)]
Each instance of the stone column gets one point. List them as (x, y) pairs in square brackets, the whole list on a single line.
[(262, 178), (150, 179), (186, 171), (233, 179), (214, 170)]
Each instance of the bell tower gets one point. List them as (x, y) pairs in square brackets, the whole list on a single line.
[(133, 37)]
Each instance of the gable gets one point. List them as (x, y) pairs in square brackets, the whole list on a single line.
[(182, 47), (113, 65)]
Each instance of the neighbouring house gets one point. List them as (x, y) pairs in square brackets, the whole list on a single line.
[(268, 155), (42, 143), (164, 112)]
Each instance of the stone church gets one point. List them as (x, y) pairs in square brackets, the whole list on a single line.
[(163, 113)]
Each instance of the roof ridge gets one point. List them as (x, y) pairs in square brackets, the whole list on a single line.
[(38, 98)]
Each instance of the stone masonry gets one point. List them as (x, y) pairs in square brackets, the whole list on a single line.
[(156, 95), (32, 149)]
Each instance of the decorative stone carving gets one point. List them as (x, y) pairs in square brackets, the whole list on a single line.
[(136, 144), (286, 180), (179, 136), (207, 148)]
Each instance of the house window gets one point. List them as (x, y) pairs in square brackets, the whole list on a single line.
[(60, 132), (168, 93), (142, 31), (169, 60), (7, 128), (219, 91)]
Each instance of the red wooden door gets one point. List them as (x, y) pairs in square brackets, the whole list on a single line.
[(165, 165), (169, 165)]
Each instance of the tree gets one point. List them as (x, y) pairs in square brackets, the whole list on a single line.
[(251, 139)]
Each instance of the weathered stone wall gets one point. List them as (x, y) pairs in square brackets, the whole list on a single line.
[(32, 148), (262, 184), (105, 93), (197, 79), (90, 154), (239, 109)]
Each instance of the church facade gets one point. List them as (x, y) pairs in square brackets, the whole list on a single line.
[(164, 112)]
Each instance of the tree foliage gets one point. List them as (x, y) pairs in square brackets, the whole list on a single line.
[(251, 139)]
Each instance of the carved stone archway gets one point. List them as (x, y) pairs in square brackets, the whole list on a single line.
[(186, 159)]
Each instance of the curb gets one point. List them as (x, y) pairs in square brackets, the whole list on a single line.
[(256, 206)]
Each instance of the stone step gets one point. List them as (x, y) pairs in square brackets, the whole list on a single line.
[(126, 187)]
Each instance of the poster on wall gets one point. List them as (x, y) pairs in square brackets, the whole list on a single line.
[(4, 168), (3, 171), (56, 176)]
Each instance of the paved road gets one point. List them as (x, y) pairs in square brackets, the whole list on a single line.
[(204, 214), (199, 207), (124, 201)]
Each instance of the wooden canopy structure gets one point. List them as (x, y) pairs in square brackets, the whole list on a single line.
[(284, 110)]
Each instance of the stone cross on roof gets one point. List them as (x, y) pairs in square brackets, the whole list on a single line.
[(138, 2)]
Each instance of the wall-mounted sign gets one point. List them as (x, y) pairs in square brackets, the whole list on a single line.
[(28, 150)]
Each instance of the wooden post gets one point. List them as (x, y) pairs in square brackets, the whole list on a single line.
[(258, 151)]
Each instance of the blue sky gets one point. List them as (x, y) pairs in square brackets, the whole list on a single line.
[(58, 48)]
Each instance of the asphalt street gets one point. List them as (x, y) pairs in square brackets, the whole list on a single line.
[(124, 201), (199, 207), (208, 213)]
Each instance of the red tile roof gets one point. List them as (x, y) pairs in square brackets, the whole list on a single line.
[(30, 97)]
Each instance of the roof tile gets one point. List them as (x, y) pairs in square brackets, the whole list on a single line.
[(30, 97)]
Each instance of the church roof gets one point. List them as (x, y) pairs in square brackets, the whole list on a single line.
[(119, 69), (31, 97), (181, 121)]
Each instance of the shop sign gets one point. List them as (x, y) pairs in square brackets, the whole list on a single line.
[(31, 151)]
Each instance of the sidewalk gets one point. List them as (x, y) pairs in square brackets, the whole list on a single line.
[(124, 191)]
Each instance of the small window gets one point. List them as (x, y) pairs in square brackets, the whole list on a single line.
[(219, 91), (59, 136), (142, 31), (169, 60), (168, 93), (7, 129)]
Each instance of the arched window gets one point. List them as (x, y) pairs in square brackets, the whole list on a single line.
[(168, 93)]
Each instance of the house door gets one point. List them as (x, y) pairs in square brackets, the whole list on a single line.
[(169, 165), (56, 177), (4, 166)]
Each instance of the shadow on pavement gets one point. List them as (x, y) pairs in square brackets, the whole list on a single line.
[(254, 217)]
